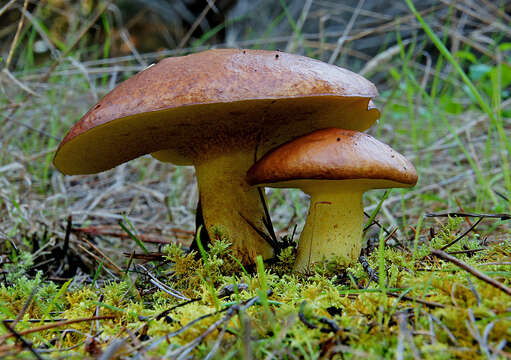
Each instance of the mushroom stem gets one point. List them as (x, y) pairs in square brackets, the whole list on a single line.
[(229, 203), (333, 227)]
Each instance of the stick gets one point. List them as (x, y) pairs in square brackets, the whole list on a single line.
[(476, 273), (462, 235), (459, 214), (14, 43), (57, 324), (429, 304), (84, 31), (23, 341)]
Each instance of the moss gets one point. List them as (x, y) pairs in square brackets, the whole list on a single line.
[(14, 297), (448, 232), (367, 317)]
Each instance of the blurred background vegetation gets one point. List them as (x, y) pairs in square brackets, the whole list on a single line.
[(158, 28)]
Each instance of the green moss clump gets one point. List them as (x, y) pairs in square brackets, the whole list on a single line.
[(419, 305)]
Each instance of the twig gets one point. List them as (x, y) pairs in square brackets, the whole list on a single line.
[(193, 322), (470, 251), (57, 324), (8, 118), (291, 45), (429, 304), (199, 19), (185, 349), (118, 270), (100, 260), (217, 343), (501, 195), (23, 341), (495, 263), (261, 233), (130, 260), (476, 273), (152, 256), (375, 222), (373, 275), (404, 333), (247, 343), (382, 56), (228, 290), (444, 327), (392, 236), (482, 17), (267, 219), (166, 312), (462, 235), (16, 37), (84, 31), (69, 226), (167, 289), (502, 13), (42, 33), (98, 231), (6, 6), (19, 83), (162, 286), (112, 349), (231, 311), (474, 291), (332, 326), (25, 306), (37, 321), (346, 32), (302, 317), (502, 216)]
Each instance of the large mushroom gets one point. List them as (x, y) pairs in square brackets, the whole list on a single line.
[(215, 110), (335, 167)]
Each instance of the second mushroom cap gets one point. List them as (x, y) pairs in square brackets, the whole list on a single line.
[(333, 154), (335, 167)]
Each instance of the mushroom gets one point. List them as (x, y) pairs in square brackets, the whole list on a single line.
[(215, 110), (335, 167)]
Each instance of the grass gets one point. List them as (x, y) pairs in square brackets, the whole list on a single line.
[(445, 105)]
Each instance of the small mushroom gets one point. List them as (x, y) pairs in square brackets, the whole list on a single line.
[(215, 110), (335, 167)]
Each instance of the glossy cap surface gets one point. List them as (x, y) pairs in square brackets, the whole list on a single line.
[(183, 101), (334, 154)]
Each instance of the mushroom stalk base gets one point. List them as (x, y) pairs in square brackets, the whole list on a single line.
[(229, 204), (333, 227)]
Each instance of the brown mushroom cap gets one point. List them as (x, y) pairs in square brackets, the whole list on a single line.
[(334, 154), (185, 106)]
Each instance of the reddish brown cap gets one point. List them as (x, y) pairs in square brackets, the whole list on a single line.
[(184, 102), (333, 154)]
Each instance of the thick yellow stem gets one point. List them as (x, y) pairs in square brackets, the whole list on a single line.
[(229, 203), (333, 227)]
